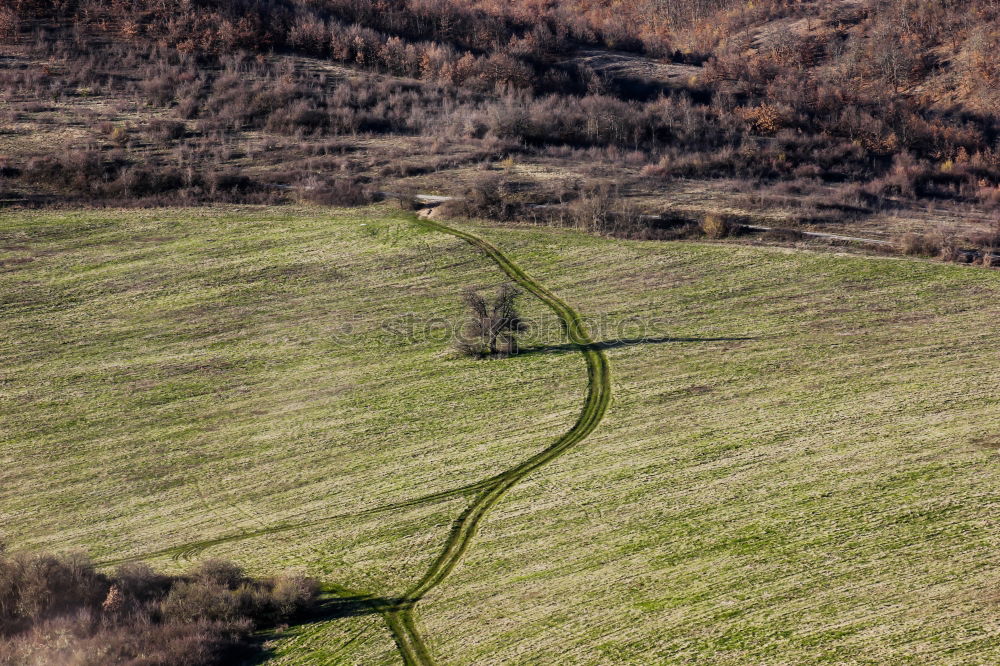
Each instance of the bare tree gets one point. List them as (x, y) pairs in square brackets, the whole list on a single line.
[(493, 326)]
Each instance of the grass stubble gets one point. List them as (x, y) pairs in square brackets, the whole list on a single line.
[(817, 491)]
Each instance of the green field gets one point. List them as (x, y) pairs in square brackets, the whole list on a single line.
[(799, 463)]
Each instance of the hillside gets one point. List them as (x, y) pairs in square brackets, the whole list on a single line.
[(797, 465), (878, 115)]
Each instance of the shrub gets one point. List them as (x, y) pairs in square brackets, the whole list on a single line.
[(290, 594), (338, 192), (601, 208), (715, 226), (230, 182), (166, 130), (38, 587), (10, 22), (56, 609), (762, 109), (489, 196), (220, 572), (914, 244), (200, 601), (119, 134), (137, 182), (988, 239)]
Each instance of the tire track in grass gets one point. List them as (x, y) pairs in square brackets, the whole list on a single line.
[(401, 621), (399, 613)]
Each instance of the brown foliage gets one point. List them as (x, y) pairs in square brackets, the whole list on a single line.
[(715, 226), (56, 609), (835, 100)]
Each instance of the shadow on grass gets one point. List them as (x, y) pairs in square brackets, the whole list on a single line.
[(335, 608), (616, 344), (326, 609)]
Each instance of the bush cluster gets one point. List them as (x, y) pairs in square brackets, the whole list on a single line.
[(57, 609), (832, 107)]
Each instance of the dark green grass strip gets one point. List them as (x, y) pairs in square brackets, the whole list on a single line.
[(399, 614), (464, 529)]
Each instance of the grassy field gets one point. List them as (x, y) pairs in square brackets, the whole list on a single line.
[(799, 465)]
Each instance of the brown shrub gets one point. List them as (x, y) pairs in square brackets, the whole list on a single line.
[(338, 192), (913, 244), (10, 22), (489, 196), (715, 226), (166, 130), (56, 609), (988, 238), (214, 62)]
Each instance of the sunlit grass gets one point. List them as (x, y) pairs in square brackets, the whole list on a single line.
[(798, 466)]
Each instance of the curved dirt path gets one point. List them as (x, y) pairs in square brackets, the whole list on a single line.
[(399, 612), (400, 619)]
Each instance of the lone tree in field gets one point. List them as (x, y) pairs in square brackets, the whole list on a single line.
[(493, 327)]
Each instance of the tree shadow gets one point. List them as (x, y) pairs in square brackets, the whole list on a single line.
[(335, 608), (325, 610), (616, 344)]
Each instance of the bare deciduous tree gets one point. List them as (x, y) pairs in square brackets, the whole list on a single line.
[(493, 326)]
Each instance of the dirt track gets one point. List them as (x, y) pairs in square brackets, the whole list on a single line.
[(399, 613), (401, 621)]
